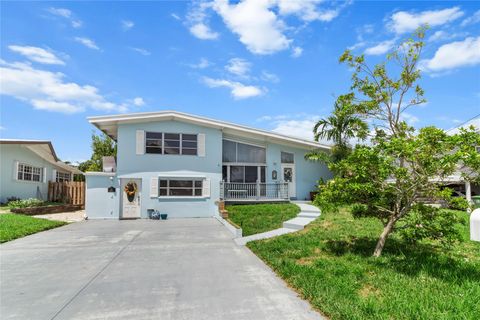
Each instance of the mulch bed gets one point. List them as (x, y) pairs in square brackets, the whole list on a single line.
[(47, 209)]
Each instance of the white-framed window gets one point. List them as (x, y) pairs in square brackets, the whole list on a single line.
[(171, 143), (29, 173), (63, 176), (243, 173), (180, 187)]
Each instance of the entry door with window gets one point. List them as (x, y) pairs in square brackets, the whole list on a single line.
[(288, 175), (131, 191)]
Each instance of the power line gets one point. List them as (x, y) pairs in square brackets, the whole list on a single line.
[(474, 117)]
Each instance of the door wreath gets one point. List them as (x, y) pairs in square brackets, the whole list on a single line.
[(130, 189)]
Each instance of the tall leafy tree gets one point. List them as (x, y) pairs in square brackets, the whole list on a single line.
[(387, 178), (102, 145)]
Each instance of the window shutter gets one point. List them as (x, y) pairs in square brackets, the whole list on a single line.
[(154, 187), (54, 175), (140, 145), (15, 170), (44, 176), (206, 188), (201, 144)]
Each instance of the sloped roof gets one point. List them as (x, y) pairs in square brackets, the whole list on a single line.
[(43, 149), (109, 125)]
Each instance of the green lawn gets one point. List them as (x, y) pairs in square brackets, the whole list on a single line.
[(330, 264), (256, 218), (13, 226)]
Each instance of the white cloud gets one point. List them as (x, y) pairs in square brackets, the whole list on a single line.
[(297, 52), (454, 55), (409, 118), (138, 101), (67, 14), (142, 51), (442, 35), (46, 90), (257, 26), (307, 10), (402, 21), (202, 31), (381, 48), (202, 64), (238, 90), (238, 67), (2, 128), (296, 128), (175, 16), (37, 54), (89, 43), (270, 77), (473, 19), (127, 24)]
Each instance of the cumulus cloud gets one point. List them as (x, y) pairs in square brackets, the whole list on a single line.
[(454, 55), (89, 43), (403, 22), (473, 19), (258, 27), (202, 31), (237, 90), (66, 14), (46, 90), (297, 125), (37, 54), (381, 48), (260, 24), (127, 24), (297, 52), (138, 101), (239, 67)]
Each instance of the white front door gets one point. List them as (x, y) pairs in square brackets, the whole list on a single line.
[(131, 199), (288, 175)]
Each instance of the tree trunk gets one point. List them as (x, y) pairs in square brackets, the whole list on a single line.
[(383, 237)]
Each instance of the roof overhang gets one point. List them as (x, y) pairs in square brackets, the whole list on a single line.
[(109, 125), (44, 149)]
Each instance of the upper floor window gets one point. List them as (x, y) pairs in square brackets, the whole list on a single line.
[(171, 143), (242, 153), (63, 176), (286, 157), (29, 173)]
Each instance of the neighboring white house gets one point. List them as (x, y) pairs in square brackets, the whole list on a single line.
[(26, 166)]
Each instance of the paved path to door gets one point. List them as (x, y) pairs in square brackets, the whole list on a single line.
[(144, 269)]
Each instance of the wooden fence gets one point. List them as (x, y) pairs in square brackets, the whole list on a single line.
[(70, 192)]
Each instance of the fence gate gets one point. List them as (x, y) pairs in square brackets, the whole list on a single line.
[(70, 192)]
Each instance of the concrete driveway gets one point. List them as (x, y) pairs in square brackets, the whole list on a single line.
[(144, 269)]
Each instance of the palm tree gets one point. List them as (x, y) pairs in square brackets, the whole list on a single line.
[(341, 126)]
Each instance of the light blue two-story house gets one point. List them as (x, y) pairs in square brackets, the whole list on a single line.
[(183, 165)]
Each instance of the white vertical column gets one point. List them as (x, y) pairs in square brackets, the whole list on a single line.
[(468, 191)]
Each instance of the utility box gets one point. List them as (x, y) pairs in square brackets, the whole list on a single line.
[(475, 225)]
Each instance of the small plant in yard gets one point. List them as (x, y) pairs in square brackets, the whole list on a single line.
[(26, 203)]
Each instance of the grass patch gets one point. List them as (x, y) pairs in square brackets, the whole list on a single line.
[(330, 264), (257, 218), (13, 226)]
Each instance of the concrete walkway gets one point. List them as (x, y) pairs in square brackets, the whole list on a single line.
[(142, 269), (307, 214)]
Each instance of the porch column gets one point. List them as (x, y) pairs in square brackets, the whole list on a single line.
[(468, 191)]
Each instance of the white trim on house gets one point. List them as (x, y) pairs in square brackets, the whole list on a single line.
[(109, 125), (96, 173)]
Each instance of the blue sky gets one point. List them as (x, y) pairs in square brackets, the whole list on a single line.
[(267, 64)]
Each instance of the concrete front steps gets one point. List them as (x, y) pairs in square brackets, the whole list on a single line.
[(307, 214)]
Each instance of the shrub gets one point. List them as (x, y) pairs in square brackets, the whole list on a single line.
[(458, 203), (26, 203)]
